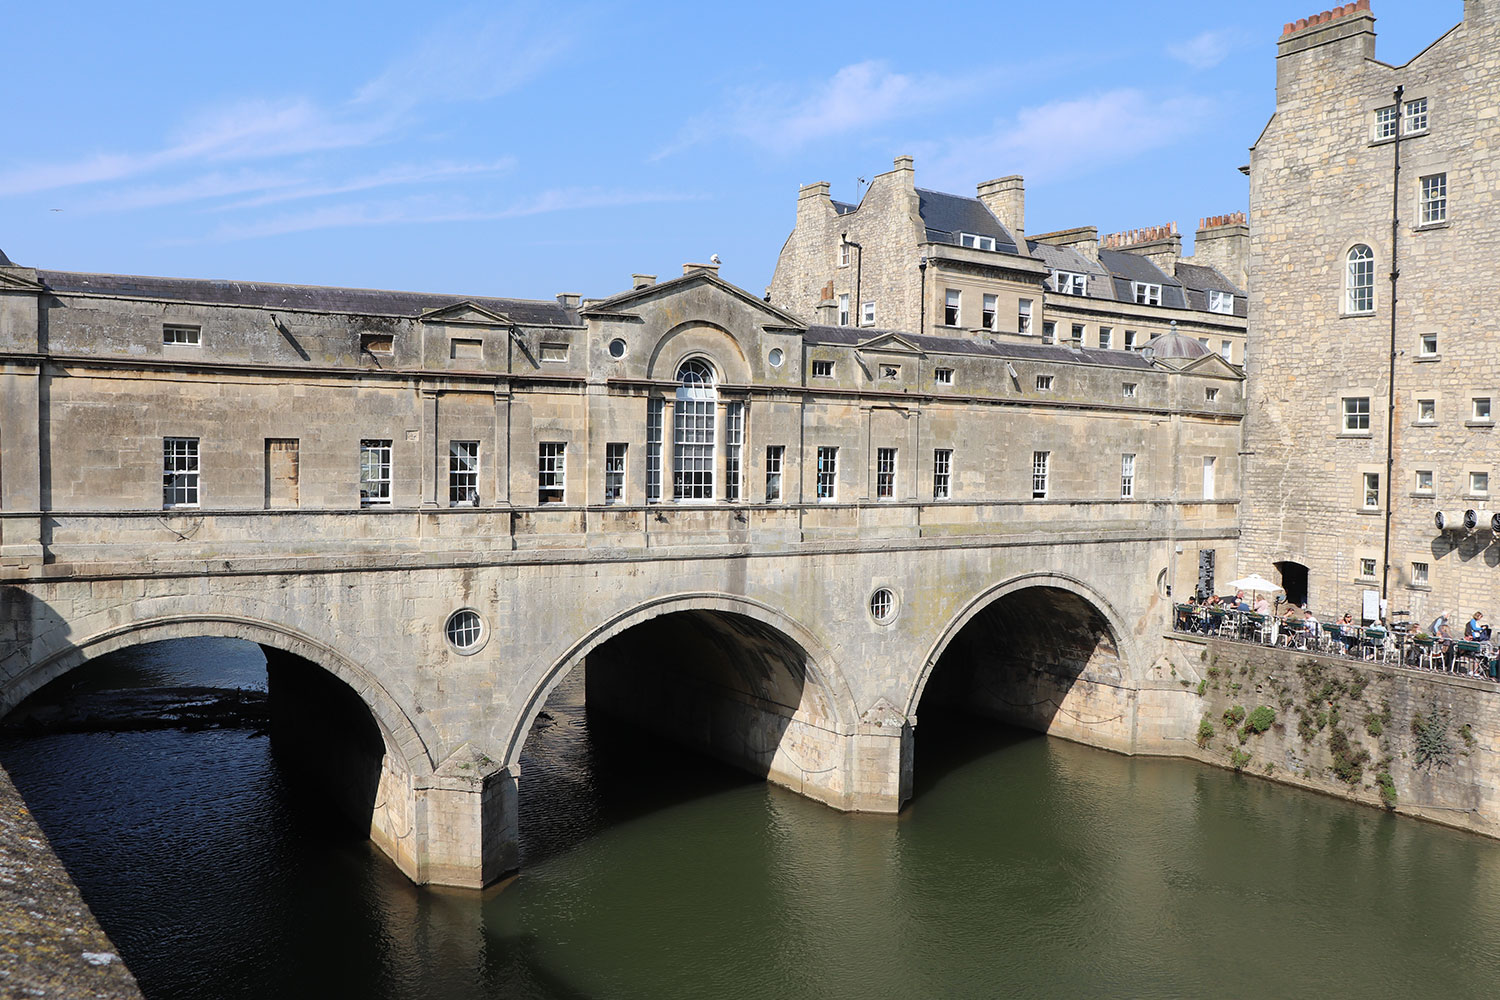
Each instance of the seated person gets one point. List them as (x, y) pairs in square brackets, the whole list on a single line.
[(1439, 627), (1240, 604), (1474, 631), (1348, 632), (1262, 606)]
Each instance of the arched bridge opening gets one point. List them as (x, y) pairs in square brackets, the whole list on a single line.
[(1044, 658), (724, 686)]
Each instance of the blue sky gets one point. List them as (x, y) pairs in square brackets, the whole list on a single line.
[(524, 149)]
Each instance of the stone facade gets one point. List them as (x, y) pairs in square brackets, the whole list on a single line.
[(894, 259), (714, 547), (1319, 370)]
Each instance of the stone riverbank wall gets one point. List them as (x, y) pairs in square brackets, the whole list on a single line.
[(1419, 743), (50, 943)]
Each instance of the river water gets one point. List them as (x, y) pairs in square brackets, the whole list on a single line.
[(1025, 866)]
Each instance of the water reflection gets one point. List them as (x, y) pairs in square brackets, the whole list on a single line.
[(1026, 866)]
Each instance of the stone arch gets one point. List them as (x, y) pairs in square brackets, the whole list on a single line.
[(988, 597), (406, 738), (703, 339), (823, 675)]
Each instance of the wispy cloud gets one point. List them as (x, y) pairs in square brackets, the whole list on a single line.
[(389, 177), (785, 117), (427, 209), (1204, 50), (1070, 136)]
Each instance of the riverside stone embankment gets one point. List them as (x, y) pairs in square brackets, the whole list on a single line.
[(50, 944)]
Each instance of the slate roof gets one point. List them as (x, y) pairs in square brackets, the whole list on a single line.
[(1198, 279), (843, 207), (1100, 285), (5, 261), (947, 215), (850, 336), (316, 298), (1129, 267)]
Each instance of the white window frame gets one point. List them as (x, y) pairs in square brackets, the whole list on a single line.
[(1479, 484), (1210, 477), (1427, 345), (186, 334), (615, 457), (375, 468), (1370, 490), (1426, 411), (1359, 280), (1106, 338), (1211, 394), (885, 473), (828, 474), (1385, 122), (1070, 283), (1129, 342), (942, 376), (1079, 331), (775, 463), (1049, 331), (1129, 389), (976, 242), (1414, 116), (551, 472), (843, 309), (1424, 482), (1044, 383), (822, 368), (695, 432), (1433, 203), (180, 472), (1421, 575), (942, 473), (463, 473), (655, 425), (734, 450), (953, 307), (1147, 293), (867, 313), (1220, 302), (989, 311), (1023, 316), (844, 255), (1127, 476), (1041, 462), (1356, 414), (1480, 410), (1368, 567), (1226, 350)]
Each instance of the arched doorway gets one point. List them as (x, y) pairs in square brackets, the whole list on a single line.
[(1293, 581)]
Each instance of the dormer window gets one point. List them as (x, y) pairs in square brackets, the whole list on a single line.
[(1221, 302), (1070, 282), (1147, 293), (976, 242)]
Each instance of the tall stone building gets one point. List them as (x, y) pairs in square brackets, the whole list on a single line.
[(1372, 370), (959, 266)]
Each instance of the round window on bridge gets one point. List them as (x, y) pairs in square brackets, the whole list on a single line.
[(617, 348), (465, 631), (775, 357), (883, 606)]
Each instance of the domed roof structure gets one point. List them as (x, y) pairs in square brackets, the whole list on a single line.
[(1176, 345)]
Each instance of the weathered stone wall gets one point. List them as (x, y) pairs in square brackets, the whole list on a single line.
[(1421, 743), (1321, 183)]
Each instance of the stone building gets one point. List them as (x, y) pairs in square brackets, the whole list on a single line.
[(1372, 373), (909, 258)]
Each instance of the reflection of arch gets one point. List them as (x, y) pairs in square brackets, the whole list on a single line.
[(708, 340), (988, 598), (822, 674), (405, 738)]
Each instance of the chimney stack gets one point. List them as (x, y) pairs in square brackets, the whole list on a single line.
[(1223, 242), (642, 280), (1006, 197), (710, 268), (1162, 245)]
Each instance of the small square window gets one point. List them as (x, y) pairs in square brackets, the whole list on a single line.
[(822, 369), (1357, 414), (1479, 483), (1367, 568), (1428, 346), (1371, 490), (1127, 389), (1426, 411), (1481, 406), (867, 314), (1424, 481), (1419, 574), (1044, 383), (1210, 395), (943, 376)]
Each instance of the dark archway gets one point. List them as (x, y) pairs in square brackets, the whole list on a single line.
[(1293, 581), (608, 744), (1042, 658)]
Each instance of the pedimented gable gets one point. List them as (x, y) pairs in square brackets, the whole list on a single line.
[(12, 282), (623, 304), (891, 343), (1212, 364), (465, 313)]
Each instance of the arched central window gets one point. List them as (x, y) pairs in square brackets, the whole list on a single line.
[(693, 431), (1359, 280)]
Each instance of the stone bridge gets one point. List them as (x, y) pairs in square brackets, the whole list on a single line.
[(793, 624)]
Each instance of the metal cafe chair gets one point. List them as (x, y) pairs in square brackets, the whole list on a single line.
[(1467, 659)]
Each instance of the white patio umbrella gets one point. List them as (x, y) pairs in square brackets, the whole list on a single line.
[(1255, 583)]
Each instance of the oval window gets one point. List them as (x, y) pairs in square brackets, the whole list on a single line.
[(883, 606), (776, 357), (617, 348), (465, 630)]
